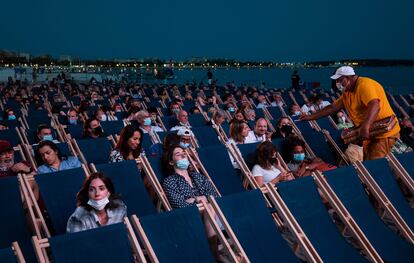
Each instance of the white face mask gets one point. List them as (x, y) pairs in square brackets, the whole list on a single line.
[(103, 117), (99, 204), (340, 87)]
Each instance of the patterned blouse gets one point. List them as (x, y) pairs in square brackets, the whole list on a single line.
[(178, 190), (116, 157)]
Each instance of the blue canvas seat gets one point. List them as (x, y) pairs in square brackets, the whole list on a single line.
[(95, 150), (112, 127), (206, 136), (58, 191), (383, 176), (178, 236), (111, 242), (218, 165), (13, 225), (128, 183), (392, 248), (254, 227), (304, 202)]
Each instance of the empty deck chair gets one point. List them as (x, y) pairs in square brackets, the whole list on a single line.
[(12, 135), (320, 147), (127, 181), (275, 112), (75, 131), (175, 236), (326, 123), (11, 254), (112, 127), (196, 120), (58, 191), (255, 228), (13, 225), (169, 121), (103, 244), (94, 150), (303, 200), (346, 185), (206, 136), (220, 169), (382, 174), (407, 160)]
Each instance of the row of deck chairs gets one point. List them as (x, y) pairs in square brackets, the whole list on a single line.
[(253, 229)]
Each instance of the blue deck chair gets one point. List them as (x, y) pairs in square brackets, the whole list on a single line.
[(111, 242), (407, 160), (325, 123), (95, 150), (383, 175), (13, 225), (206, 136), (156, 164), (11, 136), (275, 112), (254, 227), (303, 200), (336, 136), (58, 191), (112, 127), (303, 126), (196, 120), (169, 121), (248, 153), (75, 131), (146, 142), (320, 147), (7, 255), (178, 236), (226, 129), (127, 181), (259, 113), (36, 120), (392, 248), (218, 165)]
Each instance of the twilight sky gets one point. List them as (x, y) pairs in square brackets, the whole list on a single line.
[(284, 31)]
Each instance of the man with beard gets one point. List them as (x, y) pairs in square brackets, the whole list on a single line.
[(7, 165)]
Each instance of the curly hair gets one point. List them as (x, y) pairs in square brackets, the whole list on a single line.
[(264, 153)]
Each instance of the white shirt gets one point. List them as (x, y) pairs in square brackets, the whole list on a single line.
[(261, 105), (323, 104), (268, 175), (152, 130), (306, 109), (253, 137)]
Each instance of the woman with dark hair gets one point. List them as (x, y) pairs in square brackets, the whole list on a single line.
[(129, 145), (98, 205), (48, 153), (284, 128), (267, 168), (298, 163), (184, 188), (92, 129)]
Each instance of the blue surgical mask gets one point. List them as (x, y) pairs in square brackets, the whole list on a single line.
[(11, 117), (73, 121), (176, 111), (299, 157), (298, 113), (183, 164), (185, 145), (147, 121), (231, 109), (48, 137)]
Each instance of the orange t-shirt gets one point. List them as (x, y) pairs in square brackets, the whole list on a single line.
[(356, 103)]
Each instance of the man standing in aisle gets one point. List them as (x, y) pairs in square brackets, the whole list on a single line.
[(365, 101)]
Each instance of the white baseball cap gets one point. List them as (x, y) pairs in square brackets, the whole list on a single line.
[(343, 71)]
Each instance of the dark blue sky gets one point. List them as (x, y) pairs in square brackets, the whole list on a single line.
[(290, 30)]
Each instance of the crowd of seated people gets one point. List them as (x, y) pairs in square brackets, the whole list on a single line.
[(98, 203)]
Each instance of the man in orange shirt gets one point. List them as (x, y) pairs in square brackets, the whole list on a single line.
[(365, 101)]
